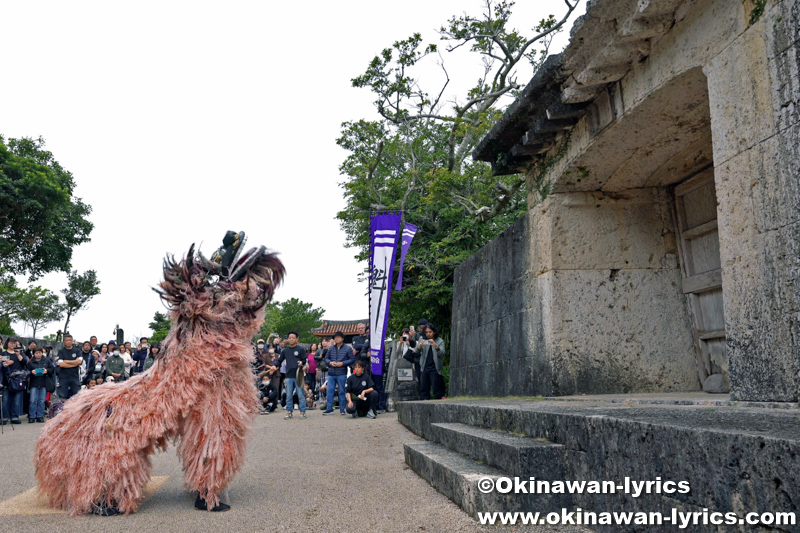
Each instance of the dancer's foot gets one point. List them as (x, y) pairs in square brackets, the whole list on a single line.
[(104, 509), (201, 505)]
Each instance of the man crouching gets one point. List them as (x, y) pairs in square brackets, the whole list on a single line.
[(362, 398)]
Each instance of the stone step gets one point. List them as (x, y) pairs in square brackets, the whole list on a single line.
[(458, 477), (734, 458), (518, 456)]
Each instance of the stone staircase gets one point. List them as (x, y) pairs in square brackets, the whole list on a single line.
[(458, 456), (735, 458)]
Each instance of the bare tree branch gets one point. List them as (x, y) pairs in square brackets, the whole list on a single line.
[(556, 27)]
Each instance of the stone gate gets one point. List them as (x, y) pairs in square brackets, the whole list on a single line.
[(667, 256)]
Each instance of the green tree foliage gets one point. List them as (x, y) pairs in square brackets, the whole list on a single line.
[(160, 326), (38, 307), (292, 315), (9, 299), (80, 289), (416, 157), (5, 327), (41, 221)]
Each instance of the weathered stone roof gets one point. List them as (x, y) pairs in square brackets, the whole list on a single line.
[(605, 44)]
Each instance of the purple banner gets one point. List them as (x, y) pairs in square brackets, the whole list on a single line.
[(408, 235), (384, 231)]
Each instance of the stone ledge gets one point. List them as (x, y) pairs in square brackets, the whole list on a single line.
[(737, 459), (457, 477)]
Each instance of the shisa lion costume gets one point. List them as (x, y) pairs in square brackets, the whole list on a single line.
[(199, 394)]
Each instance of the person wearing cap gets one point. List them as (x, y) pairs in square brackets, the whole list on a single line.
[(97, 366), (260, 361), (338, 358), (420, 334)]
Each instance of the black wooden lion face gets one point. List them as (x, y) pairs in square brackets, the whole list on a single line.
[(223, 288)]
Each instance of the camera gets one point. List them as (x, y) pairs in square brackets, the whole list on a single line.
[(405, 337)]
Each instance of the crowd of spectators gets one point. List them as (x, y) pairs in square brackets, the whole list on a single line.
[(32, 376), (331, 375)]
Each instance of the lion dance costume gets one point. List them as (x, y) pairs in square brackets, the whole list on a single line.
[(95, 456)]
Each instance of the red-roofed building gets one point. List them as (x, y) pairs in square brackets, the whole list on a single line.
[(348, 327)]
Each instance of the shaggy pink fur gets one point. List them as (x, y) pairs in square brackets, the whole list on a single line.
[(200, 394)]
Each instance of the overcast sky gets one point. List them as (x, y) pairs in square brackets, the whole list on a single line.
[(181, 120)]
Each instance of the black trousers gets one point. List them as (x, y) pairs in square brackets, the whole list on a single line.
[(272, 396), (428, 378), (362, 406)]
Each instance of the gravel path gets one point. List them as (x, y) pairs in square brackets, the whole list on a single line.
[(326, 473)]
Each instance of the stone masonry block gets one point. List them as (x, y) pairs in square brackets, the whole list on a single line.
[(740, 96)]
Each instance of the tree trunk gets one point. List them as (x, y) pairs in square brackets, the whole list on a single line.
[(66, 324)]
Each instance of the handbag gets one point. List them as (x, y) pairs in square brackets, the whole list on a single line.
[(49, 383), (18, 380)]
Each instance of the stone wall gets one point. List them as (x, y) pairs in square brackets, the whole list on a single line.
[(582, 295), (754, 91)]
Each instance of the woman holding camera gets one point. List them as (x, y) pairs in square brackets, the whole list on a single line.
[(41, 369), (14, 362), (431, 358)]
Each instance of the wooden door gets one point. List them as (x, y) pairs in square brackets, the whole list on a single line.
[(696, 207)]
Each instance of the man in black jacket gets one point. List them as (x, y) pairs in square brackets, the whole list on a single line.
[(361, 343), (88, 361), (68, 361), (296, 358), (362, 398)]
